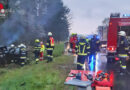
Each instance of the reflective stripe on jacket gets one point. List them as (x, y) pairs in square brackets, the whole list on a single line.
[(82, 48), (50, 43)]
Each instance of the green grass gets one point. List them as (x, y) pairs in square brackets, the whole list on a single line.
[(58, 50), (42, 76)]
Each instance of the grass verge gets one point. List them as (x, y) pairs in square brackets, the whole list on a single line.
[(42, 76)]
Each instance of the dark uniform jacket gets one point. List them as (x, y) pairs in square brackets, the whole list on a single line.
[(82, 48), (37, 47), (23, 53), (94, 45), (50, 43), (123, 46)]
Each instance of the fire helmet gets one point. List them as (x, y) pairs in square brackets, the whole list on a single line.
[(82, 37), (49, 34), (37, 40), (2, 11), (22, 45), (12, 45), (95, 36), (122, 33)]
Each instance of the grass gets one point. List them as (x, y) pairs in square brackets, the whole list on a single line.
[(58, 50), (42, 76)]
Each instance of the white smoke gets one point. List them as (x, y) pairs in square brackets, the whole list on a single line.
[(28, 19)]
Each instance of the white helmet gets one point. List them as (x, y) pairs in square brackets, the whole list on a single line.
[(12, 45), (122, 33), (18, 46), (49, 34), (22, 45), (2, 11)]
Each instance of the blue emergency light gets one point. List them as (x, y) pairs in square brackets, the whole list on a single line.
[(126, 15), (92, 63)]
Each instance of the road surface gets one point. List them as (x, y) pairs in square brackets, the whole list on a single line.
[(120, 82)]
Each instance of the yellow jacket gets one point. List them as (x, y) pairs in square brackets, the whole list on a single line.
[(42, 48)]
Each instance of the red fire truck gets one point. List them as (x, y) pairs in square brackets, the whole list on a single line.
[(116, 24)]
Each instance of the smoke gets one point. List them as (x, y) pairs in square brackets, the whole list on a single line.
[(28, 20)]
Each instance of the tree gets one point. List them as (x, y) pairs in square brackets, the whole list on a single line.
[(59, 24), (33, 19)]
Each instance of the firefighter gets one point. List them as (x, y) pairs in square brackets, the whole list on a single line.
[(11, 52), (71, 42), (82, 50), (17, 55), (122, 51), (94, 46), (42, 51), (75, 39), (23, 54), (50, 47), (37, 49), (2, 56)]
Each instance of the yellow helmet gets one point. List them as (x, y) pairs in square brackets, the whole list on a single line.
[(72, 34), (37, 40)]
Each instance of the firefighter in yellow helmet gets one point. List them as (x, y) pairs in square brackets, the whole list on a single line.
[(37, 48), (50, 47), (82, 50)]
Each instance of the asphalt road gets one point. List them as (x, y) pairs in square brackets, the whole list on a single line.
[(120, 82)]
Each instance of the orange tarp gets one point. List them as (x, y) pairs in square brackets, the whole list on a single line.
[(102, 88)]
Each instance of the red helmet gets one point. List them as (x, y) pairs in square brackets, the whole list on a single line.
[(106, 75)]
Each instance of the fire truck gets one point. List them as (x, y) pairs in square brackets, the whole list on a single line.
[(116, 24)]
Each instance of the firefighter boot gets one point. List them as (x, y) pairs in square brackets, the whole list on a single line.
[(22, 64), (37, 60), (122, 71), (48, 59)]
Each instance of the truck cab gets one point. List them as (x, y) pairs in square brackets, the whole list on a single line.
[(116, 24)]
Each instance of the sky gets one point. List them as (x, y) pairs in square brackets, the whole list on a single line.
[(87, 15)]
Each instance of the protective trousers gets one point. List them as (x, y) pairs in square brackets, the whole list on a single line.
[(49, 55), (37, 55), (22, 61), (123, 64), (41, 56), (80, 62), (71, 45)]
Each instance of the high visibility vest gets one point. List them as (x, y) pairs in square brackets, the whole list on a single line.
[(42, 48), (51, 41)]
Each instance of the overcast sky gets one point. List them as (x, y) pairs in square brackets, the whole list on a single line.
[(88, 14)]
